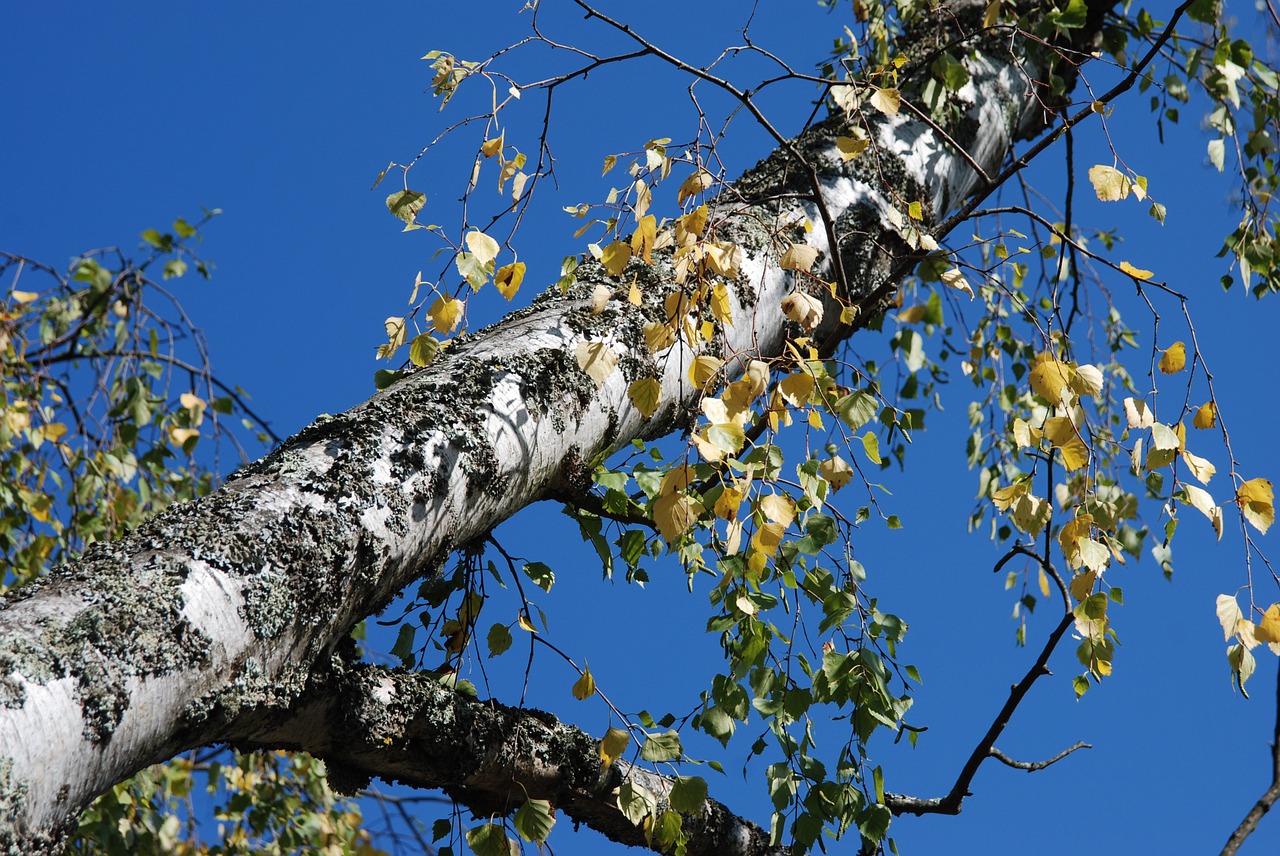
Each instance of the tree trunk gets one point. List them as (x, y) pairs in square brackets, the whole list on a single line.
[(216, 613)]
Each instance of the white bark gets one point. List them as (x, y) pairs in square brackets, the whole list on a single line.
[(218, 610)]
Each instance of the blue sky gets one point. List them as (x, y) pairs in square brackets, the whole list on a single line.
[(125, 117)]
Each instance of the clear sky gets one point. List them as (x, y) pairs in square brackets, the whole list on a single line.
[(123, 117)]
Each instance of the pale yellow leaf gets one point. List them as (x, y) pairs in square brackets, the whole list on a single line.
[(850, 147), (612, 745), (1228, 615), (887, 101), (799, 257), (779, 508), (598, 360), (694, 185), (1200, 468), (836, 471), (600, 298), (954, 278), (484, 248), (1109, 183), (804, 309), (1138, 414), (703, 369)]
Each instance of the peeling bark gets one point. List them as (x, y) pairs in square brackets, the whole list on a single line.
[(212, 616)]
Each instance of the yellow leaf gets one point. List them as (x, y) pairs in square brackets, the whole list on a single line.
[(633, 294), (1269, 629), (767, 538), (508, 279), (1135, 272), (915, 210), (1006, 496), (585, 686), (1174, 359), (395, 337), (180, 436), (612, 745), (23, 296), (644, 197), (887, 101), (525, 623), (728, 503), (693, 185), (851, 147), (1082, 584), (779, 508), (724, 258), (598, 360), (658, 336), (1044, 583), (600, 298), (1256, 499), (913, 314), (1199, 499), (645, 394), (815, 420), (992, 15), (484, 248), (673, 514), (642, 239), (1070, 536), (799, 257), (615, 257), (1051, 378), (703, 369), (489, 148), (871, 445), (1206, 416), (796, 388), (721, 309), (191, 401), (1062, 434), (1109, 183), (445, 314)]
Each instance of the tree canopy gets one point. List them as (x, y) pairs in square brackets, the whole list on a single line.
[(930, 245)]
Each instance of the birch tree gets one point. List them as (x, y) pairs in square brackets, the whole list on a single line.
[(705, 305)]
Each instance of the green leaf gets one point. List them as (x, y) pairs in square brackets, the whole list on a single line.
[(490, 840), (423, 349), (689, 794), (174, 268), (857, 409), (534, 820), (404, 646), (383, 378), (871, 444), (405, 204), (499, 639), (543, 577), (662, 747), (636, 802)]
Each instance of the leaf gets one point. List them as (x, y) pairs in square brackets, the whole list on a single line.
[(1217, 151), (703, 369), (423, 349), (1229, 615), (636, 802), (798, 257), (1206, 416), (871, 444), (1174, 359), (1163, 437), (689, 794), (1138, 414), (508, 279), (1200, 468), (1062, 434), (694, 185), (484, 248), (645, 395), (445, 314), (779, 508), (1051, 378), (673, 514), (405, 204), (887, 101), (598, 360), (662, 747), (585, 686), (857, 409), (721, 308), (541, 575), (1256, 499), (1109, 183), (836, 471), (612, 745), (1136, 272), (499, 639), (615, 257), (1200, 499), (850, 147), (490, 840), (643, 238), (489, 148), (1268, 630), (804, 309), (534, 820), (954, 278), (395, 337)]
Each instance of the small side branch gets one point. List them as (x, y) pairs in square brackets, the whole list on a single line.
[(1269, 796), (1032, 766), (951, 803)]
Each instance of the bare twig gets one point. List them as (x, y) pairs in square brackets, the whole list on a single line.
[(1269, 796), (1032, 766)]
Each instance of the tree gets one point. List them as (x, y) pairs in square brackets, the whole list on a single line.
[(268, 575)]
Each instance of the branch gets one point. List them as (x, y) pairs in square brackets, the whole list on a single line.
[(406, 727), (1032, 766), (1269, 796), (951, 803)]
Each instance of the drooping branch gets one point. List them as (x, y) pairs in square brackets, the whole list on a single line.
[(366, 721)]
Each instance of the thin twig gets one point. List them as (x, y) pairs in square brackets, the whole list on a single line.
[(1269, 796), (1032, 766)]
